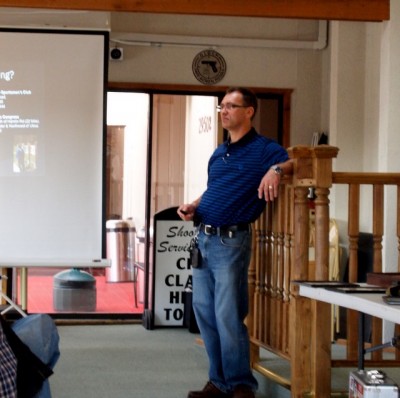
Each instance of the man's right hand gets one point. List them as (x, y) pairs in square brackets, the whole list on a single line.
[(186, 212)]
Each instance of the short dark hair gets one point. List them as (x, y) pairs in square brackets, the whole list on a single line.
[(249, 97)]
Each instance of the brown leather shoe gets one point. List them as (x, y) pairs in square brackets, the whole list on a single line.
[(243, 391), (209, 391)]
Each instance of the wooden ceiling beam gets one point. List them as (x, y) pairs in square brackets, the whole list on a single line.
[(355, 10)]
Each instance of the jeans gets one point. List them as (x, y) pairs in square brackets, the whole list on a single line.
[(220, 301)]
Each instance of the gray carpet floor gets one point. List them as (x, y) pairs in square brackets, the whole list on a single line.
[(121, 361), (118, 361)]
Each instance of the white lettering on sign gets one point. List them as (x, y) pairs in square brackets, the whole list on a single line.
[(14, 121), (7, 76)]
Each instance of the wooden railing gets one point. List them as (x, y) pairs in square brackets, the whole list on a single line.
[(355, 182), (279, 319)]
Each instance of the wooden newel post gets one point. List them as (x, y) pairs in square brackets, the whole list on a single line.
[(312, 169), (310, 321)]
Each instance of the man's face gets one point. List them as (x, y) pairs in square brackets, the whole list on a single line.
[(233, 112)]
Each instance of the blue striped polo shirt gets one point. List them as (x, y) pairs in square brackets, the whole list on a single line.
[(235, 171)]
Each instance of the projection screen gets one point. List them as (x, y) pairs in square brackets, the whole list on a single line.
[(52, 128)]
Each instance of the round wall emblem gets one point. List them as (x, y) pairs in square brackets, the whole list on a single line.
[(209, 67)]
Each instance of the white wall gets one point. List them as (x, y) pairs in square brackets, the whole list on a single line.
[(346, 91), (364, 119), (296, 69)]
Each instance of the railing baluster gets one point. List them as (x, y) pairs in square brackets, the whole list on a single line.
[(377, 233), (269, 316), (322, 233), (353, 231)]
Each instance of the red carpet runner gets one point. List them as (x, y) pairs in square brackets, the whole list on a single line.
[(111, 297)]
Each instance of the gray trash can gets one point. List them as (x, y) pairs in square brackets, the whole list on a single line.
[(74, 290), (120, 250)]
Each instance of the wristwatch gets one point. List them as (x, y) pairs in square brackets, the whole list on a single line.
[(277, 169)]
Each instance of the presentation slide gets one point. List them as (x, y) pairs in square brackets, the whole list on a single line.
[(52, 122), (21, 108)]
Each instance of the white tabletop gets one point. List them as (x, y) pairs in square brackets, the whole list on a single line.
[(368, 303), (59, 263)]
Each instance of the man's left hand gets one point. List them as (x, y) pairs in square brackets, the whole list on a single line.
[(269, 186)]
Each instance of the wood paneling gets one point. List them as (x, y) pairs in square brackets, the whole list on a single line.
[(114, 172), (358, 10)]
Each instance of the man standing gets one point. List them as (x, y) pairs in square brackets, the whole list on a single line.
[(243, 173)]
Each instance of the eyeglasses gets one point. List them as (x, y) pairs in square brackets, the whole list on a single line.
[(229, 106)]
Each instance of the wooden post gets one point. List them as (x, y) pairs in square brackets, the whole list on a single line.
[(377, 233), (300, 311), (353, 232), (311, 330)]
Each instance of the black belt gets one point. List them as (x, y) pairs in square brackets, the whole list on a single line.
[(225, 230)]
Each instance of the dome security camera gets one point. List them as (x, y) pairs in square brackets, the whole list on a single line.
[(116, 54)]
